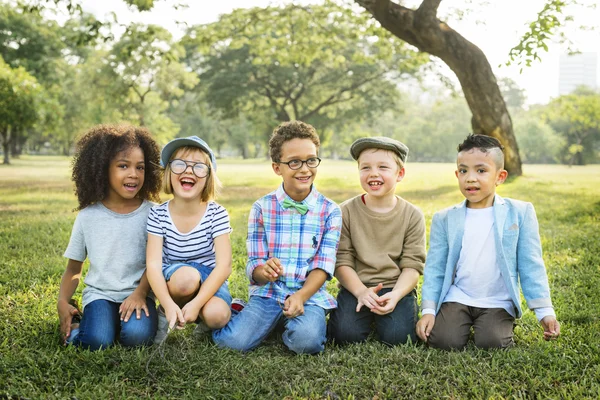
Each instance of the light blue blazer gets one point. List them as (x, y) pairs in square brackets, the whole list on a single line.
[(518, 253)]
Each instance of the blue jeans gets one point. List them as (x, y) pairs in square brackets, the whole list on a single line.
[(222, 292), (304, 334), (348, 326), (101, 326)]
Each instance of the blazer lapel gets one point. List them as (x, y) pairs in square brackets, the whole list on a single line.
[(456, 230), (500, 213)]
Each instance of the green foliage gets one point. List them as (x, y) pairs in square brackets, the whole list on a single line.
[(538, 143), (36, 221), (577, 118), (324, 64), (549, 26), (19, 97)]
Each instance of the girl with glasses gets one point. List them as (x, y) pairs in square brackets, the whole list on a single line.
[(189, 250)]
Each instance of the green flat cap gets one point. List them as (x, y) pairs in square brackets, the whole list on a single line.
[(379, 142)]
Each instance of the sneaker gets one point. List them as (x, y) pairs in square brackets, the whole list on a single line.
[(237, 305), (201, 328), (163, 327)]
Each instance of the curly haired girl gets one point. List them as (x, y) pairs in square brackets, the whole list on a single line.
[(116, 175)]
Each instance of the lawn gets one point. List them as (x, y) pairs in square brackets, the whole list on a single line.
[(36, 203)]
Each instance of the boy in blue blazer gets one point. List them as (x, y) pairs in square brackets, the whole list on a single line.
[(479, 250)]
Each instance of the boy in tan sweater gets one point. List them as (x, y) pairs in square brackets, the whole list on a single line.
[(381, 252)]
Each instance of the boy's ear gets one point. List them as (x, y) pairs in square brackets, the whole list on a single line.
[(502, 175), (400, 174), (276, 168)]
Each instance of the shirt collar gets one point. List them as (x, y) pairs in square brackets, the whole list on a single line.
[(310, 200)]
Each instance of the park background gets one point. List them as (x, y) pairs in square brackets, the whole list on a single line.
[(230, 80)]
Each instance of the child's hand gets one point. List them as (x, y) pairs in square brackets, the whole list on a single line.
[(293, 306), (66, 312), (369, 298), (386, 303), (424, 326), (551, 327), (270, 271), (134, 302), (190, 312), (174, 316)]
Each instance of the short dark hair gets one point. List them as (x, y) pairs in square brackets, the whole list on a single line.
[(485, 144), (481, 142), (94, 152), (288, 131)]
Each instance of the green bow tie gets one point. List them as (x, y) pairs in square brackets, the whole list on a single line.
[(301, 208)]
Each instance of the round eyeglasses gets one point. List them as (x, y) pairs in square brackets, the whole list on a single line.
[(312, 162), (199, 169)]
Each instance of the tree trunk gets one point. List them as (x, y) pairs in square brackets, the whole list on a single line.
[(6, 144), (422, 29)]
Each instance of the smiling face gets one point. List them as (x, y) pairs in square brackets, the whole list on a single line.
[(187, 185), (297, 183), (379, 172), (126, 175), (478, 175)]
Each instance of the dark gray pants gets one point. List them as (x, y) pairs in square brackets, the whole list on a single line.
[(348, 326), (492, 327)]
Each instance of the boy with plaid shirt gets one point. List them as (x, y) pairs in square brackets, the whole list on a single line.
[(293, 235)]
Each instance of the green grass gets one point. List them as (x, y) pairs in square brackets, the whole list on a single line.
[(36, 202)]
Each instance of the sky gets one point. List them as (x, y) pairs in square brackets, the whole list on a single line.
[(495, 28)]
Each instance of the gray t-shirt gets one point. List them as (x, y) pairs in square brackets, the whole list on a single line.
[(115, 244)]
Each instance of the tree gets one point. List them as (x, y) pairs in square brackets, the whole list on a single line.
[(323, 64), (147, 62), (422, 28), (18, 97), (538, 142), (577, 118)]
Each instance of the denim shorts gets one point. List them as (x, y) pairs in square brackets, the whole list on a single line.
[(222, 292)]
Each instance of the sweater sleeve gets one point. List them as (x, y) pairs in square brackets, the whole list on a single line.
[(346, 253), (413, 250)]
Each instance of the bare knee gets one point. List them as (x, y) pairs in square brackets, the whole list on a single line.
[(184, 283), (216, 313)]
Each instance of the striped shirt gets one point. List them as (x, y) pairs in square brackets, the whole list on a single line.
[(301, 242), (194, 246)]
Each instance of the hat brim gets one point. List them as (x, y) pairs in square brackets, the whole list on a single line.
[(360, 146), (173, 145)]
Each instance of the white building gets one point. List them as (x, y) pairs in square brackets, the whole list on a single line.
[(577, 70)]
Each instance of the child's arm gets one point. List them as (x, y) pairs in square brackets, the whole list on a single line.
[(68, 286), (294, 304), (136, 301), (217, 277), (411, 262), (433, 275), (321, 268), (532, 271), (158, 283), (260, 268), (406, 282), (349, 279)]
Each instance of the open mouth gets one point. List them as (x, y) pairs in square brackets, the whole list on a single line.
[(472, 189), (375, 184), (187, 183), (303, 178), (131, 186)]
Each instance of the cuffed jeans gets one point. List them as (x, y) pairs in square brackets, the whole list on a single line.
[(304, 334), (348, 326), (101, 326)]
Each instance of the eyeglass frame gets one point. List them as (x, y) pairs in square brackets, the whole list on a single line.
[(302, 162), (191, 165)]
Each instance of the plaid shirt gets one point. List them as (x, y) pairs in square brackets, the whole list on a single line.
[(301, 242)]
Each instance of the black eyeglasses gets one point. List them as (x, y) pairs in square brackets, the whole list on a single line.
[(312, 162), (199, 169)]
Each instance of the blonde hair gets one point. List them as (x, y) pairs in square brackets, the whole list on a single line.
[(211, 187), (394, 155)]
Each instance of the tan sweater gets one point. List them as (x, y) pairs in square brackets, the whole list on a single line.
[(379, 245)]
